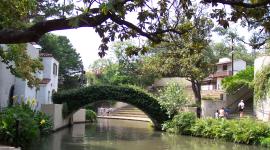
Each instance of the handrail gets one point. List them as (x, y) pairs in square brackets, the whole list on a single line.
[(245, 96), (239, 89)]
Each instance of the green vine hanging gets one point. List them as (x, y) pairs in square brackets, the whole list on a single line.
[(262, 83)]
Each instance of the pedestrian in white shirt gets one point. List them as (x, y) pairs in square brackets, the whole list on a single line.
[(241, 107)]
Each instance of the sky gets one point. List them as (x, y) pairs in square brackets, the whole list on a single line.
[(85, 41)]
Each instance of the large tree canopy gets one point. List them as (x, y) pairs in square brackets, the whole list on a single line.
[(125, 69), (71, 67), (187, 55), (26, 21)]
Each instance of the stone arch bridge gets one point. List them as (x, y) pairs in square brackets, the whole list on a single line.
[(78, 98)]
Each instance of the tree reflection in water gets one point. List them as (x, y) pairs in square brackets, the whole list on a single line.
[(110, 134)]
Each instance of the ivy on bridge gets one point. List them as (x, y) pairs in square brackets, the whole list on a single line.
[(78, 98)]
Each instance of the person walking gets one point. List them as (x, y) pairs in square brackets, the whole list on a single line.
[(241, 107), (227, 112), (217, 114), (222, 113)]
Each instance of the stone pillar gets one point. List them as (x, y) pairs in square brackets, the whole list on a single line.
[(79, 116), (262, 108), (55, 112), (209, 107)]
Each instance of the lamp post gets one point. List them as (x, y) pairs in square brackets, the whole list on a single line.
[(232, 56)]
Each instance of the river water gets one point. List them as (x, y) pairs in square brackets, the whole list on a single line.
[(109, 134)]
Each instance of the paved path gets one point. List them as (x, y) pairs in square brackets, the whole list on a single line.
[(2, 147), (125, 118)]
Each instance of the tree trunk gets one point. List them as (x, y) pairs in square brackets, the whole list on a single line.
[(196, 88)]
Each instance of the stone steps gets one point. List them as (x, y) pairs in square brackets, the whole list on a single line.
[(130, 115), (236, 116), (129, 111), (248, 113)]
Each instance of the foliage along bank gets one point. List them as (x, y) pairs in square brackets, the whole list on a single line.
[(262, 83), (90, 115), (246, 131), (20, 124), (242, 78)]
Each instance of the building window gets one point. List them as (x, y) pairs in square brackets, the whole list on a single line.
[(225, 67), (49, 97), (54, 69)]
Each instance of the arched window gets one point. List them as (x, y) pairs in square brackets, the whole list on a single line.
[(11, 94), (49, 97), (54, 68)]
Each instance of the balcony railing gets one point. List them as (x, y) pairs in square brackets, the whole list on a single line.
[(222, 74)]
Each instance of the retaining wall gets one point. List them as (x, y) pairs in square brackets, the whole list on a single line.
[(262, 107), (55, 112)]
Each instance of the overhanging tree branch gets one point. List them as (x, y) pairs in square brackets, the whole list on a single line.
[(32, 34), (239, 3), (120, 21)]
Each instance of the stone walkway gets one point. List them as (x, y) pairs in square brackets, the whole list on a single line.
[(2, 147), (125, 118)]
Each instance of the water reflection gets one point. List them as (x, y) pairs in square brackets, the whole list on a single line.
[(122, 135)]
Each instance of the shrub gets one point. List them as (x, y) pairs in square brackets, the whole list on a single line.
[(262, 83), (249, 131), (245, 131), (44, 122), (198, 128), (265, 142), (173, 98), (181, 123), (30, 125), (28, 128), (90, 115)]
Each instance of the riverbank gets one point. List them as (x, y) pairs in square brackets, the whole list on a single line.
[(244, 131)]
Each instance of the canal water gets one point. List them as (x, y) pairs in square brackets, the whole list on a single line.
[(109, 134)]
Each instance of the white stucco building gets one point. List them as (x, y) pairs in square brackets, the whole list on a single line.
[(224, 69), (12, 86), (49, 82)]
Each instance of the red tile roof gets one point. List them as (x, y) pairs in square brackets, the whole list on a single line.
[(45, 81)]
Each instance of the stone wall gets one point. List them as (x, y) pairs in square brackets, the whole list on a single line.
[(7, 80), (209, 107), (79, 116), (181, 81), (190, 109), (55, 111), (262, 108)]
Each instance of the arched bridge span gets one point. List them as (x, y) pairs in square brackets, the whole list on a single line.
[(77, 98)]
